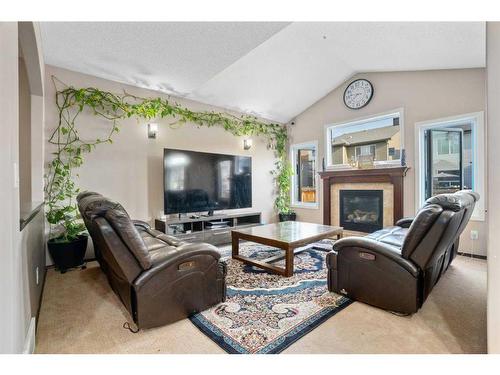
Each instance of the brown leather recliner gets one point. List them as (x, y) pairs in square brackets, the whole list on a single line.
[(159, 278), (397, 267), (92, 204)]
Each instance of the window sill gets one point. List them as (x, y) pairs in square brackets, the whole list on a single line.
[(28, 212), (379, 165), (310, 206)]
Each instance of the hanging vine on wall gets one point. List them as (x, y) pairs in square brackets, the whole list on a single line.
[(60, 188)]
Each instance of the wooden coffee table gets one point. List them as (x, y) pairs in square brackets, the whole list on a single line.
[(288, 235)]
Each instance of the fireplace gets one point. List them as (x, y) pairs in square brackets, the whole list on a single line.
[(362, 210), (390, 180)]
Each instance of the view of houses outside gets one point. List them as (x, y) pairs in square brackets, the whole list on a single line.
[(378, 140), (451, 159), (306, 176)]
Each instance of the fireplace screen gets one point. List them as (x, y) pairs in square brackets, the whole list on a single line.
[(362, 210)]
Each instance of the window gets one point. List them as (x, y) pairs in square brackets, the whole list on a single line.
[(367, 150), (176, 164), (444, 160), (304, 189), (224, 179), (450, 157), (377, 138), (447, 144)]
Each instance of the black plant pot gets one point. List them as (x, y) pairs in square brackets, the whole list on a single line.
[(291, 216), (68, 255)]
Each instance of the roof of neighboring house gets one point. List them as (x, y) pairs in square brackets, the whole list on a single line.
[(366, 136)]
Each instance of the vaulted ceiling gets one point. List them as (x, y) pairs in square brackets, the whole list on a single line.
[(272, 69)]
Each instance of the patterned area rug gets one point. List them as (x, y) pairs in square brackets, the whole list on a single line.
[(266, 313)]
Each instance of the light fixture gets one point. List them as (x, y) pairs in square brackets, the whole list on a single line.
[(152, 130), (247, 144)]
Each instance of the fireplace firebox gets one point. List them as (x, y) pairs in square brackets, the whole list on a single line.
[(362, 210)]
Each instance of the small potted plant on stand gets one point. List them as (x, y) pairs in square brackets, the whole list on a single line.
[(283, 179)]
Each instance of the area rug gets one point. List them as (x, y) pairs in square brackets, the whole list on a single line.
[(266, 313)]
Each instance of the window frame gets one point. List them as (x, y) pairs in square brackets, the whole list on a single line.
[(294, 148), (478, 156), (357, 121)]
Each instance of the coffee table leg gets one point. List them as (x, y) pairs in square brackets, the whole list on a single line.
[(235, 242), (289, 261)]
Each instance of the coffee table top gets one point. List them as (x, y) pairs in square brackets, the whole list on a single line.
[(294, 233)]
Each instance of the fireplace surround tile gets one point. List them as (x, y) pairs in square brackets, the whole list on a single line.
[(388, 199)]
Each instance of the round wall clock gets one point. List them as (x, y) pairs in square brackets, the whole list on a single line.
[(358, 94)]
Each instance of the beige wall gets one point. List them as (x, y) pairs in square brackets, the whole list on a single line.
[(424, 96), (493, 77), (13, 330), (21, 252), (131, 169)]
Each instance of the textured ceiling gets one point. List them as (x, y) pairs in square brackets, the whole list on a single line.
[(274, 70), (177, 57)]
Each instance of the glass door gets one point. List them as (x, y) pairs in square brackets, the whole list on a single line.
[(305, 169), (444, 161)]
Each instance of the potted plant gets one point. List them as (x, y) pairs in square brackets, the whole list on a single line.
[(67, 236), (283, 181), (68, 248), (68, 239)]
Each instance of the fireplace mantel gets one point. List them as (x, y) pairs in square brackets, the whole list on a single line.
[(391, 175)]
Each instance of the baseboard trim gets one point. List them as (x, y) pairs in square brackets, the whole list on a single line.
[(39, 307), (29, 341), (469, 255)]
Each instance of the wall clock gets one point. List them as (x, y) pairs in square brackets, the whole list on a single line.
[(358, 94)]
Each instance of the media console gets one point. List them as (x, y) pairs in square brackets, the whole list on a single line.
[(215, 229)]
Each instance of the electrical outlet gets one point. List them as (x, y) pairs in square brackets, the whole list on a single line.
[(474, 235), (37, 276)]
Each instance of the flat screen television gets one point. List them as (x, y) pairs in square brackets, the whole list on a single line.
[(199, 181)]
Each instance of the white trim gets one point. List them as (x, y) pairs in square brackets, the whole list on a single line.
[(304, 145), (478, 147), (359, 120), (29, 341)]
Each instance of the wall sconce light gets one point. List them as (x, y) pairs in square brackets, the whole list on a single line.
[(247, 144), (152, 130)]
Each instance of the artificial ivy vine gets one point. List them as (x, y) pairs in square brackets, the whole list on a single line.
[(60, 188)]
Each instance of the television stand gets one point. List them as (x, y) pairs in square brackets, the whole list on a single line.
[(215, 229)]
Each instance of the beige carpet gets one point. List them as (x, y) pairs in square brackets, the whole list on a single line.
[(81, 314)]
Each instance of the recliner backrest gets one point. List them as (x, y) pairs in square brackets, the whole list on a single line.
[(419, 228), (115, 252), (122, 268), (460, 203), (432, 234), (84, 194), (469, 200), (84, 199), (92, 205), (95, 205), (130, 236)]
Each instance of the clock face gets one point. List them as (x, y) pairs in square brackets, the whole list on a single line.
[(358, 94)]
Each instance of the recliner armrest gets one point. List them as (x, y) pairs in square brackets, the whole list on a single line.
[(171, 240), (141, 223), (181, 255), (405, 222), (371, 246)]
